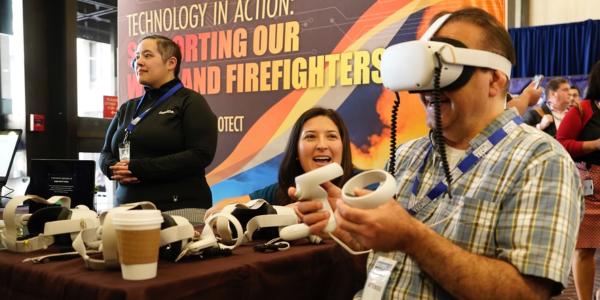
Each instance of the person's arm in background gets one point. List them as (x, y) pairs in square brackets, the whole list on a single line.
[(533, 118), (200, 135), (529, 97), (107, 158), (568, 132)]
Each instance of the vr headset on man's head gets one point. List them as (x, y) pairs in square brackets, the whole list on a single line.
[(409, 66)]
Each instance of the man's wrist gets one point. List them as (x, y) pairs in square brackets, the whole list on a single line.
[(417, 236), (539, 126)]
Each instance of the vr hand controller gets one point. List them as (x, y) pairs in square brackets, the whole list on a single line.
[(296, 232), (384, 192), (308, 187)]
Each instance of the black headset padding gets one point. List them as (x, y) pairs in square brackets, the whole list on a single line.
[(467, 71), (37, 221), (170, 251), (244, 215)]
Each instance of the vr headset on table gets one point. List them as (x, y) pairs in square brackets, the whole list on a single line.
[(49, 225), (240, 223), (176, 232)]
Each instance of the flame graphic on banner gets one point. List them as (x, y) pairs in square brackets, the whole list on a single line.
[(410, 125)]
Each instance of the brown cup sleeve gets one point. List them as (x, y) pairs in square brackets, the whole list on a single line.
[(138, 246)]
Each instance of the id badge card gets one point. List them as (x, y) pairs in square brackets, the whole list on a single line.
[(378, 278), (588, 187), (124, 150)]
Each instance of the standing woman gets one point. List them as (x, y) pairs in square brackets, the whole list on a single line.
[(169, 134), (579, 133)]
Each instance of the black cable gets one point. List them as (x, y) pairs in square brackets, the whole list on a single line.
[(265, 247), (438, 134), (62, 257), (392, 162), (215, 251)]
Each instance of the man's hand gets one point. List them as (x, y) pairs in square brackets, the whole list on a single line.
[(531, 95), (122, 174), (545, 122), (385, 228)]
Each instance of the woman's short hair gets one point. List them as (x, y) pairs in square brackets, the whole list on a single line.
[(290, 166), (167, 48)]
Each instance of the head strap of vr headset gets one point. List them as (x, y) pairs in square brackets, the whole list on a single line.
[(11, 220), (182, 232), (285, 216), (109, 238), (465, 56)]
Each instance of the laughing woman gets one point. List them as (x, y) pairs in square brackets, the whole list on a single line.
[(319, 137)]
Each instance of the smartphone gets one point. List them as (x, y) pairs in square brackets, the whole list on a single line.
[(537, 79)]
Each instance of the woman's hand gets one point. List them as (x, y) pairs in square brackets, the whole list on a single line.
[(122, 174)]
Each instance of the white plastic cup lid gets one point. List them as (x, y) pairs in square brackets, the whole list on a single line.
[(138, 217)]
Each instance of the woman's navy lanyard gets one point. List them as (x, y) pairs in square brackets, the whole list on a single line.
[(469, 161), (135, 120)]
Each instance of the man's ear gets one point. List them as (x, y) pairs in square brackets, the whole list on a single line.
[(497, 82)]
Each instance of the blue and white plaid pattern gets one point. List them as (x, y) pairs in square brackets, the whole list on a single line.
[(522, 203)]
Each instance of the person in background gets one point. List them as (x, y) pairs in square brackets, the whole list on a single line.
[(506, 228), (579, 133), (170, 134), (548, 117), (319, 137), (574, 95)]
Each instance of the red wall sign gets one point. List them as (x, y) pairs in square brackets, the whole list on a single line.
[(110, 106)]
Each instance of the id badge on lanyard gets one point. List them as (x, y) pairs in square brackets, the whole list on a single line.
[(125, 146), (378, 278)]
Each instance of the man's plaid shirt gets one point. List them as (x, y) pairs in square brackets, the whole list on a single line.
[(522, 203)]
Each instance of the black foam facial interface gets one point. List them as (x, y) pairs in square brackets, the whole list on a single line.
[(37, 222), (245, 215), (170, 251)]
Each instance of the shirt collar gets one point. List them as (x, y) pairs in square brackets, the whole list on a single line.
[(157, 93), (555, 111), (498, 123)]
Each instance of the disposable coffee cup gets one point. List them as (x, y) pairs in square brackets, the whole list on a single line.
[(138, 242)]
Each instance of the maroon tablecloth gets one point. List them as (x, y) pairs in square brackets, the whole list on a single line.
[(305, 271)]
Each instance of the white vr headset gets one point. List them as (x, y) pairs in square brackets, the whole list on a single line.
[(283, 220), (46, 226), (409, 66), (175, 234)]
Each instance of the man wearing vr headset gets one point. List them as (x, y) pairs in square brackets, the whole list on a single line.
[(508, 225)]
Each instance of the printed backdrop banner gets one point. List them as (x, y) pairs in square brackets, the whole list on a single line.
[(262, 63)]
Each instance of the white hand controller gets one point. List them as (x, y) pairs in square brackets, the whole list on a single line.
[(308, 187), (384, 192)]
